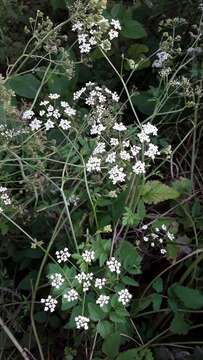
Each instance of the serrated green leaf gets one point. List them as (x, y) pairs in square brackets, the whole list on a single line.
[(190, 298), (179, 325), (104, 328), (111, 345), (95, 312), (154, 192)]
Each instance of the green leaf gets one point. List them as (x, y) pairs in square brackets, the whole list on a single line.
[(104, 328), (154, 192), (136, 354), (129, 281), (179, 325), (116, 317), (156, 301), (133, 29), (158, 285), (130, 218), (129, 257), (24, 85), (111, 345), (190, 298), (95, 312)]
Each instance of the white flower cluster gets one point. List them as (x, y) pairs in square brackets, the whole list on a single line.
[(88, 256), (85, 280), (100, 34), (82, 322), (7, 133), (49, 303), (124, 297), (118, 154), (56, 280), (159, 238), (100, 283), (103, 300), (5, 199), (73, 200), (62, 255), (71, 295), (51, 114), (162, 56), (114, 265)]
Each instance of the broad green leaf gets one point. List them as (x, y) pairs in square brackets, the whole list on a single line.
[(95, 312), (179, 325), (129, 281), (129, 257), (154, 192), (190, 298), (24, 85), (58, 4), (111, 345), (104, 328), (133, 29)]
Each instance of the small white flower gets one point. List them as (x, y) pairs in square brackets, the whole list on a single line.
[(69, 111), (125, 155), (113, 34), (111, 158), (119, 126), (28, 114), (49, 125), (97, 129), (126, 143), (152, 151), (35, 124), (170, 236), (62, 255), (93, 164), (65, 124), (139, 168), (100, 283), (85, 280), (56, 280), (49, 303), (103, 300), (150, 129), (135, 150), (115, 97), (85, 48), (71, 295), (54, 96), (114, 265), (44, 103), (42, 112), (116, 174), (77, 26), (163, 251), (116, 24), (124, 297), (82, 322), (145, 227), (114, 141), (88, 256), (145, 238), (164, 228), (143, 137), (100, 148)]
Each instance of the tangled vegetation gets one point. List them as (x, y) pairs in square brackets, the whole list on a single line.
[(101, 180)]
